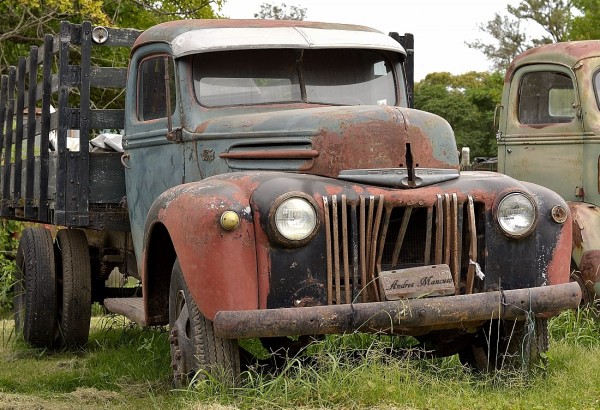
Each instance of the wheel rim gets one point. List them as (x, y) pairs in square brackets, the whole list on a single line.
[(181, 338)]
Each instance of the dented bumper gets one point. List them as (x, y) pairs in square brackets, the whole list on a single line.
[(409, 317)]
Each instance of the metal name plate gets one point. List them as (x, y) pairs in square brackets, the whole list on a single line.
[(422, 281)]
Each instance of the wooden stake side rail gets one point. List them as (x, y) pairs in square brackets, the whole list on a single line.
[(47, 94)]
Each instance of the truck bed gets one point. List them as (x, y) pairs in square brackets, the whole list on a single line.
[(59, 82)]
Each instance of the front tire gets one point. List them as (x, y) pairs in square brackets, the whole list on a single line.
[(513, 345), (194, 346)]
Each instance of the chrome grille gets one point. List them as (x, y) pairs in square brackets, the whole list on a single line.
[(369, 235)]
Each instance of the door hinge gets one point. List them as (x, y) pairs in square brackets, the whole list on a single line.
[(175, 135)]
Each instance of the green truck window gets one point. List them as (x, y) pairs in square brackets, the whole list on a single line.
[(546, 97)]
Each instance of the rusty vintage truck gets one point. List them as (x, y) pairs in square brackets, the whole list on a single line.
[(274, 182), (549, 134)]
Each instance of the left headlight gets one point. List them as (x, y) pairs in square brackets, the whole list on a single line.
[(516, 214), (294, 219)]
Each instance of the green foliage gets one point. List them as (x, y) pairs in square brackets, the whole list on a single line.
[(9, 234), (586, 25), (24, 22), (467, 102), (579, 327), (281, 12)]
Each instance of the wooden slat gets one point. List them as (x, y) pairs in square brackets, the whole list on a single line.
[(10, 111), (21, 68), (45, 129), (30, 211)]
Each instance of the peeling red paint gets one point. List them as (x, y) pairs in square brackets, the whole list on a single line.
[(559, 267), (590, 270)]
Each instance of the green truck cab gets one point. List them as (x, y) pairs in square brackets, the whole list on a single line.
[(273, 183), (549, 130)]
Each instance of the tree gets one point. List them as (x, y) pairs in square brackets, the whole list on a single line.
[(24, 22), (467, 102), (586, 26), (553, 16), (282, 12)]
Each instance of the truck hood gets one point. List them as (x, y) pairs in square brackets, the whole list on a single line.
[(378, 145)]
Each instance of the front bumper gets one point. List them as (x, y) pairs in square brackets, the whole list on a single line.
[(408, 317)]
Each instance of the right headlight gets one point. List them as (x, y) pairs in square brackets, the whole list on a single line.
[(516, 215)]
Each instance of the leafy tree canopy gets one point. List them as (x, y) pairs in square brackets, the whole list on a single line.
[(586, 25), (467, 102), (281, 12), (24, 22), (555, 17)]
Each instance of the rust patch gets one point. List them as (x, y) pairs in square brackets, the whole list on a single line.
[(208, 155), (559, 267), (590, 270)]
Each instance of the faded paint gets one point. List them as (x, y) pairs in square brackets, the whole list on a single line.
[(574, 144), (326, 140), (219, 266), (169, 31)]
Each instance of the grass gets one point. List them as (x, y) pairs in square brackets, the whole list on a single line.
[(126, 367)]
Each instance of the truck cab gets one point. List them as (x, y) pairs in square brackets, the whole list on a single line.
[(548, 132)]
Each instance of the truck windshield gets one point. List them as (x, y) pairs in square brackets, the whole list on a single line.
[(323, 76)]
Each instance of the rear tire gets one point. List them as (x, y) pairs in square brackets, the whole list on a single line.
[(194, 347), (35, 288), (512, 345), (74, 287)]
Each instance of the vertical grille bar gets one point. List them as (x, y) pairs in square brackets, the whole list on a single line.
[(355, 253), (472, 232), (336, 249), (363, 257), (328, 248), (448, 230), (373, 245), (347, 289), (454, 268), (428, 235), (439, 230)]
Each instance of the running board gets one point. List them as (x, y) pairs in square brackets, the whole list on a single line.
[(131, 308)]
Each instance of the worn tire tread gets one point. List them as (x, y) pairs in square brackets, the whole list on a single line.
[(35, 261), (76, 304), (217, 356)]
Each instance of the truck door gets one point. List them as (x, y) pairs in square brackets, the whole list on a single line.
[(153, 163), (541, 136)]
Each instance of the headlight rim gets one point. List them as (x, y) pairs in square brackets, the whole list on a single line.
[(536, 215), (274, 232)]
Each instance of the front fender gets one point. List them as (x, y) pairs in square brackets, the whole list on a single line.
[(586, 244), (219, 266)]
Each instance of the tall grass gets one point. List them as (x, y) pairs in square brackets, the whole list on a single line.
[(124, 366)]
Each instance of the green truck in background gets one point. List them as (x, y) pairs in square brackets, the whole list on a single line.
[(549, 134)]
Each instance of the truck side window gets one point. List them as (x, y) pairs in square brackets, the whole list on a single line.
[(151, 90), (546, 98)]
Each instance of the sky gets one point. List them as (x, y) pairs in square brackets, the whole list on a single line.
[(440, 27)]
